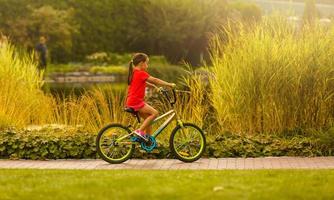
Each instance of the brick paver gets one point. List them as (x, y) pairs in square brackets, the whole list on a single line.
[(170, 164)]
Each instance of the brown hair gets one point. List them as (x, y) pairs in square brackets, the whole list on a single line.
[(136, 59)]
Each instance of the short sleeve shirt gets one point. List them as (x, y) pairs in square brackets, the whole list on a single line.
[(136, 90)]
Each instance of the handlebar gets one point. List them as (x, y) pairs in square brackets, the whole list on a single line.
[(165, 93)]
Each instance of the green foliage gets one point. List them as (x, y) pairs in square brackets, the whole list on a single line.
[(108, 58), (245, 12), (58, 26), (68, 142), (29, 23), (177, 29), (259, 145), (170, 73), (65, 68), (109, 70), (55, 143), (47, 144)]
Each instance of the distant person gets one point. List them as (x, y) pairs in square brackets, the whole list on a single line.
[(41, 50)]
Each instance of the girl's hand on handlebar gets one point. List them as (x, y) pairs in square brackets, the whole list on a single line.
[(172, 85), (159, 89)]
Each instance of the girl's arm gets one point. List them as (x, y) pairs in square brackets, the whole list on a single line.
[(157, 81), (151, 85)]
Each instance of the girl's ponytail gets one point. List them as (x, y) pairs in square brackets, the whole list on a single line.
[(130, 72), (137, 58)]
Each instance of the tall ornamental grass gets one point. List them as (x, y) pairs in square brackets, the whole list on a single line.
[(23, 103), (93, 110), (191, 104), (273, 77), (21, 100)]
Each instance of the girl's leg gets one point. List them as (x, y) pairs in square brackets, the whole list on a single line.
[(151, 114), (148, 129)]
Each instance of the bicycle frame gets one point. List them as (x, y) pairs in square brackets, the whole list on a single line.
[(171, 113)]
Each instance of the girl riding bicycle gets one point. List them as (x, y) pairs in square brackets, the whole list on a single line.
[(115, 143), (138, 78)]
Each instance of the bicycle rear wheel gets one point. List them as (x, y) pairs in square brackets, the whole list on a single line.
[(187, 143), (108, 146)]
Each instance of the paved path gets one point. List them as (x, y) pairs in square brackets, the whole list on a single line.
[(169, 164)]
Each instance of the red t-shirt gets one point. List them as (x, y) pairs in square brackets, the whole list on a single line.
[(136, 90)]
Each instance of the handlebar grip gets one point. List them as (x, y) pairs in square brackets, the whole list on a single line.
[(165, 93)]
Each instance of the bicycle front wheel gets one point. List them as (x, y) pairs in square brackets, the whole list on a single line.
[(187, 143), (113, 144)]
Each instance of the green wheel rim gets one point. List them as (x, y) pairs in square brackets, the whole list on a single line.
[(110, 150), (188, 142)]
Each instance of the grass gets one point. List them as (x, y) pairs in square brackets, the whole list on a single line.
[(93, 110), (135, 184), (273, 77), (21, 99)]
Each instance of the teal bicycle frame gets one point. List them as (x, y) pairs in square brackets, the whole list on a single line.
[(172, 114)]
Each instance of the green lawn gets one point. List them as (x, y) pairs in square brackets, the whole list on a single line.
[(136, 184)]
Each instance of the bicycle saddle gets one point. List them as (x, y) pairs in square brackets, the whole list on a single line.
[(130, 110)]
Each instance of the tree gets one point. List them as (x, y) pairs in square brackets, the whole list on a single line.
[(28, 23), (57, 26)]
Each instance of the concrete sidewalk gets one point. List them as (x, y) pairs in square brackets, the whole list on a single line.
[(170, 164)]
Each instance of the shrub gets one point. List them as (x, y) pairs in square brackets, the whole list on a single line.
[(47, 143), (109, 70), (234, 145), (56, 143), (248, 12), (74, 143), (65, 68)]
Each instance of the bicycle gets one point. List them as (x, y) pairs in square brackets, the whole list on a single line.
[(116, 143)]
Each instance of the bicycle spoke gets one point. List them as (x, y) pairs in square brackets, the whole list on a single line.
[(187, 142), (111, 148), (110, 154), (181, 145), (189, 151)]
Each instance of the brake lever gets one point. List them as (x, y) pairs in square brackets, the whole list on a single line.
[(162, 90)]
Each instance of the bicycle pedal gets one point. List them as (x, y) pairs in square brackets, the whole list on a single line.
[(155, 151), (142, 151), (184, 153)]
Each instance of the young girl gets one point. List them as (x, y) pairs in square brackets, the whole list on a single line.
[(137, 79)]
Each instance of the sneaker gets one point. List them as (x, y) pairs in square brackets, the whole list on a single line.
[(141, 134)]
